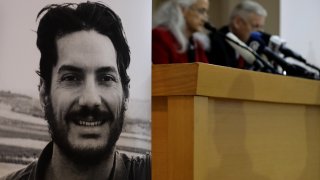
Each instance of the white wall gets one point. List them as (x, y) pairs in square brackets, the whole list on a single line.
[(300, 27)]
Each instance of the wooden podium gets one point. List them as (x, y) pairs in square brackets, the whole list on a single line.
[(217, 123)]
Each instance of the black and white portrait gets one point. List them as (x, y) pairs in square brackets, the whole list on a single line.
[(75, 89)]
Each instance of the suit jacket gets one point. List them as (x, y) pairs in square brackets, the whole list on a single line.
[(165, 49), (221, 53)]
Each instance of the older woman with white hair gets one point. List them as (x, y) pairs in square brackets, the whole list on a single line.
[(174, 25)]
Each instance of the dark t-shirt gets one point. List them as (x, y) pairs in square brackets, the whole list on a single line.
[(124, 167)]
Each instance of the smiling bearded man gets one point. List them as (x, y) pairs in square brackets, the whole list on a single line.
[(84, 88)]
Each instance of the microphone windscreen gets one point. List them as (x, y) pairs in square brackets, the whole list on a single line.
[(275, 43), (244, 51), (256, 42)]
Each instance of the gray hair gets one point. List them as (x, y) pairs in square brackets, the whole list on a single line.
[(170, 15), (245, 8)]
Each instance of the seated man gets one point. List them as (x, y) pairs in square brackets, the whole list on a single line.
[(246, 17)]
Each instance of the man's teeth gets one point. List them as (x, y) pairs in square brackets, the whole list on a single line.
[(86, 123)]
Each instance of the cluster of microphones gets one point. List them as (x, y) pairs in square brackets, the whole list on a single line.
[(269, 53)]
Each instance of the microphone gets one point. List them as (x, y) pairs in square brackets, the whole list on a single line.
[(240, 47), (278, 44), (209, 27), (273, 39), (275, 43), (249, 55), (256, 42)]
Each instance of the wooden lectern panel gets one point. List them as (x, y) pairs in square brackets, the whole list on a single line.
[(174, 145), (257, 140), (203, 133)]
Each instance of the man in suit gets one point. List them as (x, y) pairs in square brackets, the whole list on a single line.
[(245, 18)]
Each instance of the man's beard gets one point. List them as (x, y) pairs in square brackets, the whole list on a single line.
[(86, 156)]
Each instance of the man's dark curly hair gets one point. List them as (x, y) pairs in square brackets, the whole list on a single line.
[(60, 20)]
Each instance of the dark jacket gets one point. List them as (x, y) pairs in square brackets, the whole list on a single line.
[(221, 53), (125, 168)]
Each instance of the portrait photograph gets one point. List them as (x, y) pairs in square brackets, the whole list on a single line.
[(75, 86)]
